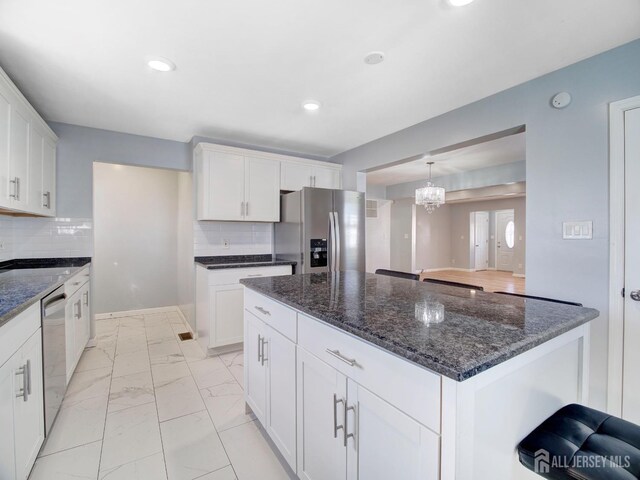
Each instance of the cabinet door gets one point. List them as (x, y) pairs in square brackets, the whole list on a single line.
[(262, 190), (49, 177), (255, 377), (72, 311), (295, 176), (387, 443), (227, 314), (223, 187), (29, 414), (19, 159), (280, 359), (7, 396), (326, 177), (5, 118), (85, 316), (36, 200), (320, 415)]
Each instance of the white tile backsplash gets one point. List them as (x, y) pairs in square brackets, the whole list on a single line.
[(37, 237), (244, 238), (6, 238)]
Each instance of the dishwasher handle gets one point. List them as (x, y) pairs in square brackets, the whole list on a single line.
[(53, 304)]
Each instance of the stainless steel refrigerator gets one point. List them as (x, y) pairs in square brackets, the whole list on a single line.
[(323, 230)]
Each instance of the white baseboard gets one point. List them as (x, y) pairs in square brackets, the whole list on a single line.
[(144, 311), (492, 269), (519, 275)]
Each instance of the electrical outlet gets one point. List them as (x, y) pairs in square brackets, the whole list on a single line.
[(225, 243)]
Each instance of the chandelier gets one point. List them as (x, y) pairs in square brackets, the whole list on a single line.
[(430, 196)]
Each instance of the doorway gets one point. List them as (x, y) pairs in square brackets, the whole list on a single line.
[(505, 235), (481, 235), (624, 295)]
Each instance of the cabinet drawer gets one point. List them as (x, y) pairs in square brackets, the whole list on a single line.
[(410, 388), (74, 283), (234, 275), (18, 330), (277, 316)]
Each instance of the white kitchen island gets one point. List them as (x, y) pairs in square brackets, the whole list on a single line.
[(361, 376)]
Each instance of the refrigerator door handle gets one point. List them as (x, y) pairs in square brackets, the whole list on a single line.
[(332, 243), (336, 233)]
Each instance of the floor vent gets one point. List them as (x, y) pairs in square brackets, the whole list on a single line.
[(185, 336)]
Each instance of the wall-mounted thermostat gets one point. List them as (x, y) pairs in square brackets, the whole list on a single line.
[(561, 100)]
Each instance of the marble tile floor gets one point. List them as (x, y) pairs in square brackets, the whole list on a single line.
[(143, 405)]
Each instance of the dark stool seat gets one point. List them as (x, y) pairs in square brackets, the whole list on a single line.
[(581, 443)]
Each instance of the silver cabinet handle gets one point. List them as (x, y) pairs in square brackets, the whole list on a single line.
[(16, 188), (255, 275), (262, 310), (23, 391), (246, 209), (79, 305), (314, 180), (311, 180), (259, 348), (264, 359), (242, 209), (635, 295), (336, 353), (347, 436), (28, 376), (85, 295), (336, 427), (46, 201)]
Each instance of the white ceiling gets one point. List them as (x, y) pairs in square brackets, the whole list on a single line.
[(504, 150), (245, 66)]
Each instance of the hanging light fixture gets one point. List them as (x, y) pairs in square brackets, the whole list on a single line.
[(430, 196)]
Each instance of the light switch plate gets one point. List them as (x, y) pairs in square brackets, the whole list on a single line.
[(577, 230)]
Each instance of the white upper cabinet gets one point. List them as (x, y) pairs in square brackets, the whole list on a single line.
[(236, 184), (236, 187), (27, 155), (262, 190), (296, 175)]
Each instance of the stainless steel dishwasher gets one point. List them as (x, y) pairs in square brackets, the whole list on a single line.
[(54, 356)]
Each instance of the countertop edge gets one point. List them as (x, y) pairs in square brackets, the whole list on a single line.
[(458, 374), (11, 314)]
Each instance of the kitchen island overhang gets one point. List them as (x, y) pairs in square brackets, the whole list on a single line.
[(496, 365)]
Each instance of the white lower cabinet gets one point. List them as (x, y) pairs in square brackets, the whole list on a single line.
[(220, 303), (322, 392), (270, 383), (387, 443), (21, 396), (326, 424), (77, 320), (255, 380)]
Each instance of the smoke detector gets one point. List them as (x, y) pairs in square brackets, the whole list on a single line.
[(373, 58)]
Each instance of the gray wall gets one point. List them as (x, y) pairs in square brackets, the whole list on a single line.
[(567, 172), (79, 147), (460, 231), (433, 238), (402, 235), (482, 177)]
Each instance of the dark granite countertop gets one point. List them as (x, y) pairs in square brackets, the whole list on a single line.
[(479, 330), (25, 282), (241, 261)]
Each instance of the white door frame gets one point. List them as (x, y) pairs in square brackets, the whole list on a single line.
[(616, 250)]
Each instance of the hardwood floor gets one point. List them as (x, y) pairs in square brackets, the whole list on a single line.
[(490, 280)]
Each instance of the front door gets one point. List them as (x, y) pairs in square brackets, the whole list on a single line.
[(506, 239), (631, 362)]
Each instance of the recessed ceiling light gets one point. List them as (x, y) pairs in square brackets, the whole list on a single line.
[(460, 3), (311, 105), (160, 64), (373, 58)]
